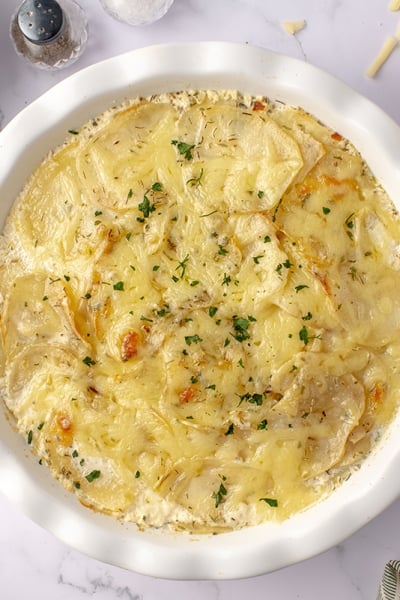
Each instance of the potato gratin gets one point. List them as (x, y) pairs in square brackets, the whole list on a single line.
[(200, 311)]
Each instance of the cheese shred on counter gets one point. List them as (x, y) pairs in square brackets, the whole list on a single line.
[(200, 311)]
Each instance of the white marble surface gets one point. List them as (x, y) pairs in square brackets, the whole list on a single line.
[(342, 37)]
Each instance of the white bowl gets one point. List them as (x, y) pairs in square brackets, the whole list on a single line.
[(42, 126)]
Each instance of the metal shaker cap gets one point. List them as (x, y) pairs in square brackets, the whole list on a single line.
[(40, 21)]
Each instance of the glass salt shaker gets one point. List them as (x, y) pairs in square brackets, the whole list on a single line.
[(137, 12), (48, 34)]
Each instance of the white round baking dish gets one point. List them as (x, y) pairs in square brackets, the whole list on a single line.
[(42, 126)]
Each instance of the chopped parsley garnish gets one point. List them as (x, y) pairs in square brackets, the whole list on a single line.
[(298, 288), (303, 335), (221, 493), (326, 210), (157, 187), (73, 131), (184, 149), (251, 398), (226, 280), (192, 339), (222, 250), (75, 454), (119, 286), (262, 424), (270, 501), (349, 221), (307, 317), (146, 208), (95, 474), (212, 310), (260, 194), (88, 361), (257, 258), (240, 326), (182, 265), (30, 437), (76, 485), (230, 429), (137, 474), (267, 239)]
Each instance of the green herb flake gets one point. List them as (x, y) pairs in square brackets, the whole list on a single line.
[(262, 424), (251, 398), (222, 250), (95, 474), (192, 339), (303, 335), (157, 187), (267, 239), (156, 267), (212, 311), (76, 485), (260, 194), (220, 494), (88, 361), (326, 210), (226, 279), (119, 286), (73, 131), (240, 326), (67, 277), (194, 283), (307, 317), (184, 149), (182, 266), (257, 258), (230, 429), (137, 474), (349, 221), (146, 208), (270, 501), (298, 288), (30, 437)]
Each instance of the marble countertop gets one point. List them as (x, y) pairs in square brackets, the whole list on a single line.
[(340, 37)]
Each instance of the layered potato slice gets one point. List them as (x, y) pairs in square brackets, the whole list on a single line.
[(199, 311)]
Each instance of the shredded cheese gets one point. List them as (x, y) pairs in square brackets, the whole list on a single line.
[(294, 27), (394, 5), (388, 46)]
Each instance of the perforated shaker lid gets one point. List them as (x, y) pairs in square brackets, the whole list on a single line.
[(40, 21)]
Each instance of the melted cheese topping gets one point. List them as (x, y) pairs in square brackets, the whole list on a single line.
[(200, 311)]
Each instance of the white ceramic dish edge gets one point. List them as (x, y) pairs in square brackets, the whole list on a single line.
[(42, 126)]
